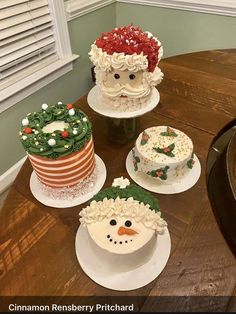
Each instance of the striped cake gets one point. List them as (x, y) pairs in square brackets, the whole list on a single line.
[(58, 141)]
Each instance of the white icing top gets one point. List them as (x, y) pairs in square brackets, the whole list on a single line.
[(130, 208), (55, 125), (183, 145)]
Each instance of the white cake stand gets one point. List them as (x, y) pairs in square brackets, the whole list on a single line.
[(42, 197), (94, 101), (152, 185), (92, 264)]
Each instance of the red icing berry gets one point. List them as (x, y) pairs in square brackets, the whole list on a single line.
[(28, 130), (145, 138), (69, 106), (166, 149), (64, 134), (159, 173), (169, 130)]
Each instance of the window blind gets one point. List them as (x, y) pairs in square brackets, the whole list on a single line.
[(27, 41)]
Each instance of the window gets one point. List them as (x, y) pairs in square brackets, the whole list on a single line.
[(34, 47)]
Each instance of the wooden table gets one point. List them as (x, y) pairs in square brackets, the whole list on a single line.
[(37, 254)]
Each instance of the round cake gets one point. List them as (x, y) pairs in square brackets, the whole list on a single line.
[(59, 144), (163, 153), (123, 223), (126, 66)]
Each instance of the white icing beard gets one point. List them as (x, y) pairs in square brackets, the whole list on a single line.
[(124, 93), (107, 236)]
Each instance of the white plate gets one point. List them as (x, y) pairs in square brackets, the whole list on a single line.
[(121, 281), (39, 194), (150, 184), (98, 106)]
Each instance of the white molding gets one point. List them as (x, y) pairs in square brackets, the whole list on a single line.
[(58, 12), (76, 8), (220, 7), (8, 177), (41, 78)]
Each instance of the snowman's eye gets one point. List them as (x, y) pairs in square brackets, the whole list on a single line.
[(113, 222), (116, 76), (128, 223), (132, 76)]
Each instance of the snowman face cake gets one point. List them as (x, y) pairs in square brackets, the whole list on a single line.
[(120, 235), (123, 219)]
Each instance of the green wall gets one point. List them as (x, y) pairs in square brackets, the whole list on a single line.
[(68, 88), (180, 31)]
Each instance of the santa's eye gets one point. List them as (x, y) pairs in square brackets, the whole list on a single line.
[(132, 76), (128, 223), (113, 222), (116, 76)]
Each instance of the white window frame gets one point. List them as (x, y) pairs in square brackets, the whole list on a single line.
[(221, 7), (27, 86)]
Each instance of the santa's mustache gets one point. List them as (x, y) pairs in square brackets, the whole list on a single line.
[(125, 90)]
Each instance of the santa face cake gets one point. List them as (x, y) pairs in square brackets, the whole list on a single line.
[(124, 221), (163, 153), (126, 66), (58, 140)]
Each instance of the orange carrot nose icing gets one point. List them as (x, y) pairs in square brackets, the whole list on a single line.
[(128, 231)]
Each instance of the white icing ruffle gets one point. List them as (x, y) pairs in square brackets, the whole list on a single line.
[(130, 208), (118, 61)]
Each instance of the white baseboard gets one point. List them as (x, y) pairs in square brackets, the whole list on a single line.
[(8, 177)]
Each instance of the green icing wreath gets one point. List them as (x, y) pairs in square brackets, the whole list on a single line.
[(59, 143), (131, 190)]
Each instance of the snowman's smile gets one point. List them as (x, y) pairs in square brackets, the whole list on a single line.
[(120, 235), (115, 241)]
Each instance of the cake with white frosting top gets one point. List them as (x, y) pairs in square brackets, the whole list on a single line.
[(124, 222), (163, 153), (126, 65)]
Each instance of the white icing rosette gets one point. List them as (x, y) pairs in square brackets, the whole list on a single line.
[(121, 182)]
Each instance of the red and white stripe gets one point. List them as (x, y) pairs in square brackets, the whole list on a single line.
[(65, 171)]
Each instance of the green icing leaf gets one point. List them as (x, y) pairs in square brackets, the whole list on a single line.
[(160, 173), (191, 162), (165, 150), (131, 190), (169, 132)]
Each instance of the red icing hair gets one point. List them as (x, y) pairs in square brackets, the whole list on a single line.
[(129, 40)]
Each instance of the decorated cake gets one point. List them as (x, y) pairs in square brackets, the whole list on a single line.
[(126, 66), (59, 144), (163, 153), (123, 222)]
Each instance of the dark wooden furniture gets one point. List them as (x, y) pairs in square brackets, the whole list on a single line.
[(221, 180), (37, 255)]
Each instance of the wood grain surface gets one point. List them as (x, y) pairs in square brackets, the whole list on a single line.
[(37, 254)]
